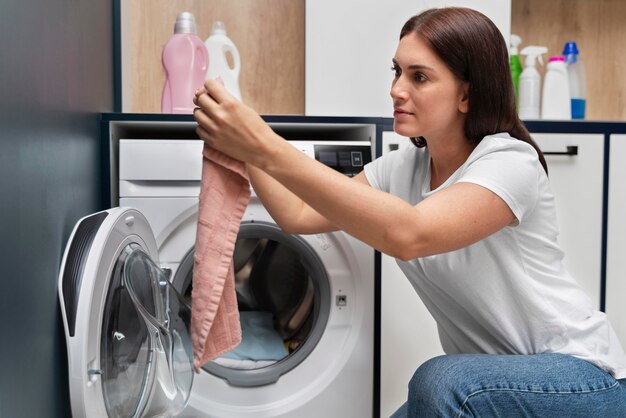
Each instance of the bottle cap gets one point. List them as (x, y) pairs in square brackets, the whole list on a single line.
[(533, 52), (515, 41), (185, 23), (570, 48), (557, 58), (219, 28)]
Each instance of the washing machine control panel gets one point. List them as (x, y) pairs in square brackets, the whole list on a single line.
[(347, 157)]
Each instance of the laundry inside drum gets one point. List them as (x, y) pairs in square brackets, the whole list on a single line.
[(276, 297)]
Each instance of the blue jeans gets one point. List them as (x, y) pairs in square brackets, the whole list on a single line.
[(484, 385)]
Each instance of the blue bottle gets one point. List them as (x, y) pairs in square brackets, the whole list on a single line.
[(577, 80)]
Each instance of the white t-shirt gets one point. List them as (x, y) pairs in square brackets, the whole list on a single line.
[(510, 292)]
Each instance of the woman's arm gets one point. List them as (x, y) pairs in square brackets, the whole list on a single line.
[(287, 209), (450, 219)]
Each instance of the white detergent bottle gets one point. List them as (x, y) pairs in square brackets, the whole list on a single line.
[(530, 83), (220, 47), (555, 101)]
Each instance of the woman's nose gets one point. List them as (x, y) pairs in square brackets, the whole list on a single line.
[(397, 90), (399, 87)]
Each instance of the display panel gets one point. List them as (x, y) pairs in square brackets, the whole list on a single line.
[(346, 159)]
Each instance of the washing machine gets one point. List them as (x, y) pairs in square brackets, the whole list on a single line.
[(306, 302)]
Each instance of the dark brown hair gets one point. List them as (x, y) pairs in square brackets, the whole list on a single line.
[(474, 50)]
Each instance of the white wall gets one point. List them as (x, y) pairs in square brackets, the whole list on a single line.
[(350, 44)]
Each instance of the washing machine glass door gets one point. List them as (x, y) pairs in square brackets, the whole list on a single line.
[(127, 329), (155, 364)]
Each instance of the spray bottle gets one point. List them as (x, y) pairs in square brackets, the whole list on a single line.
[(515, 65), (530, 83)]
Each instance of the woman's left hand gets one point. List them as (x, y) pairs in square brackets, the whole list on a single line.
[(229, 126)]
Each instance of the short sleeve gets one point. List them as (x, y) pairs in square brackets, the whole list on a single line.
[(510, 168), (378, 172)]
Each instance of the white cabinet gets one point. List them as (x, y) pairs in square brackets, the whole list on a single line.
[(408, 332), (616, 238), (577, 182), (349, 45)]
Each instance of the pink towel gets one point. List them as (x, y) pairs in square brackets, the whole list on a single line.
[(224, 195)]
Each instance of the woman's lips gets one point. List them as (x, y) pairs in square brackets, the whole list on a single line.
[(399, 113)]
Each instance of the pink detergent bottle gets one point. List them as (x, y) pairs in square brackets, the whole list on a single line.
[(185, 60)]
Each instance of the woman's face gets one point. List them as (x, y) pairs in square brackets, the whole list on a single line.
[(428, 100)]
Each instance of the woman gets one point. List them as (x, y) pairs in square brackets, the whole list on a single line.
[(470, 216)]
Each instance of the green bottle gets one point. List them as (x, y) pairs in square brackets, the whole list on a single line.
[(515, 65)]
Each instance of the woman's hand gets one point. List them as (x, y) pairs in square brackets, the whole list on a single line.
[(229, 126)]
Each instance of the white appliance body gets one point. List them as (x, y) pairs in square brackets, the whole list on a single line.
[(161, 179), (332, 372)]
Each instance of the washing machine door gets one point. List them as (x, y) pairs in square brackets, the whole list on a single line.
[(127, 329)]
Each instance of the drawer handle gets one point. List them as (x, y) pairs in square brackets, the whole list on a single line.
[(569, 150)]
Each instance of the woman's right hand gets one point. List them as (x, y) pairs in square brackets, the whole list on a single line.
[(229, 126)]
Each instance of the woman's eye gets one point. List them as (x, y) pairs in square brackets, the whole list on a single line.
[(419, 77)]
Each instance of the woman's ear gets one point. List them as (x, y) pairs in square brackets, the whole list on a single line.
[(464, 102)]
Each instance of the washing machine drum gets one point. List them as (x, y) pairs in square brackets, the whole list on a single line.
[(271, 278), (283, 296), (127, 328)]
